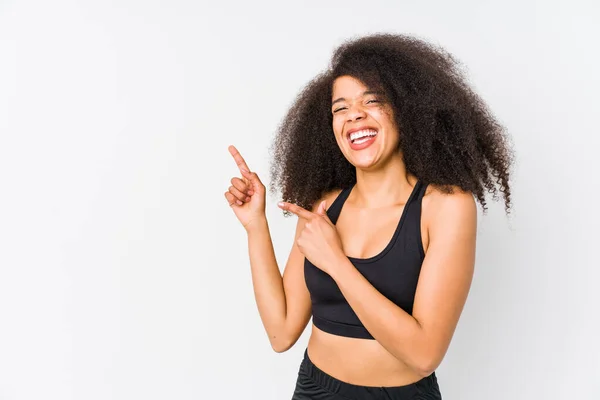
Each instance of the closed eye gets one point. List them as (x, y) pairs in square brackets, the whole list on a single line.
[(343, 108)]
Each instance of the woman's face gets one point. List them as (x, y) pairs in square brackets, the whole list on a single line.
[(363, 124)]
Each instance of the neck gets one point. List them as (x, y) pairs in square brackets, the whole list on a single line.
[(386, 186)]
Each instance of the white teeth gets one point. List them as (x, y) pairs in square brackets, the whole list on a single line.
[(360, 141), (361, 134)]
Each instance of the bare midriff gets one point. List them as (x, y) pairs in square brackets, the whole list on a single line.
[(362, 362)]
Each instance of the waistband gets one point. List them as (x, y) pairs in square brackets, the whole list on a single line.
[(351, 391)]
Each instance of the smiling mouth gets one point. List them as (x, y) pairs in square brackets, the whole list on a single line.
[(362, 136)]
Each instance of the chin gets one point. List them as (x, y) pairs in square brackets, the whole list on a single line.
[(364, 161)]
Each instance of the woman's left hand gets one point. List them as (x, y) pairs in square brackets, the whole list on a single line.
[(318, 240)]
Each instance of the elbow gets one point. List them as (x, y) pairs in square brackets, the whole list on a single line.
[(282, 338), (423, 361), (425, 357), (425, 370), (426, 366), (281, 345), (280, 348)]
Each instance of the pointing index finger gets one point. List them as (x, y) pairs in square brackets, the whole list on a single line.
[(239, 160), (294, 209)]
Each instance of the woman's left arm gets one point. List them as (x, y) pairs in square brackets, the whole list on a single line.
[(422, 339)]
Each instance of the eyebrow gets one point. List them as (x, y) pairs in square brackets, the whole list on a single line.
[(365, 93)]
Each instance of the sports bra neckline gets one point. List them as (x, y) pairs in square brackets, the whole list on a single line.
[(339, 203)]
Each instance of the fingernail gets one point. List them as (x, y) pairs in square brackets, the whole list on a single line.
[(239, 203), (280, 204)]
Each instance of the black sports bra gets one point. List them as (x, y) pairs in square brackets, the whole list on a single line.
[(394, 272)]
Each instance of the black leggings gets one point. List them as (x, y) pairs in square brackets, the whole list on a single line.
[(314, 384)]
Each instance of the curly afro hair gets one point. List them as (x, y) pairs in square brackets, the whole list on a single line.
[(448, 136)]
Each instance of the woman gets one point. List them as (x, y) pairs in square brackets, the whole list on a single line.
[(382, 158)]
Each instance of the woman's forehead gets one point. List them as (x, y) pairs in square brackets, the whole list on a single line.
[(349, 87), (347, 82)]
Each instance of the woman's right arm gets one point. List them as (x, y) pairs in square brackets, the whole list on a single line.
[(283, 302)]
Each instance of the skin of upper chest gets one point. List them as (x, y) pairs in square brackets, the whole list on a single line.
[(366, 232)]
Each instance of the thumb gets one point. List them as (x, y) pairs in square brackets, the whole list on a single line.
[(251, 176), (321, 210)]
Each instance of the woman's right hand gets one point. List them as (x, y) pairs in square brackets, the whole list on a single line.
[(246, 195)]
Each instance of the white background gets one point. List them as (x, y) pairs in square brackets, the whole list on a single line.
[(123, 272)]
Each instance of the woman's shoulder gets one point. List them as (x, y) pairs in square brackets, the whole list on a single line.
[(437, 202), (329, 196)]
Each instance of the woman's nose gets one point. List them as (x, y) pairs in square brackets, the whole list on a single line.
[(355, 112)]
